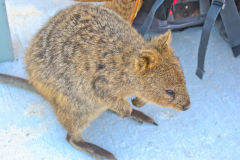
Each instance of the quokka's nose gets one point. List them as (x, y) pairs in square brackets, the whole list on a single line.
[(186, 106)]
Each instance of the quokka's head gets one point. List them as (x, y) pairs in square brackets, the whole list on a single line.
[(159, 77)]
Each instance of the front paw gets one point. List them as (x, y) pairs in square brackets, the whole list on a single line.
[(141, 117), (137, 102)]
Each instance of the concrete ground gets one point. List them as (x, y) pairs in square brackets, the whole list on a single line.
[(209, 130)]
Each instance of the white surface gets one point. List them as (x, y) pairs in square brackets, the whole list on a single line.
[(209, 130)]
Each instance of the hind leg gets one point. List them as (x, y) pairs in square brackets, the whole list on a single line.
[(75, 139), (75, 121), (90, 148)]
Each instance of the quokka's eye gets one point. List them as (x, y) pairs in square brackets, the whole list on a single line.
[(170, 92)]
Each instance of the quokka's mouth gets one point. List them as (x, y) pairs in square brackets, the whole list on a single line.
[(183, 107)]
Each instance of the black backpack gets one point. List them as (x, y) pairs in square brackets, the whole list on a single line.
[(154, 16), (171, 15)]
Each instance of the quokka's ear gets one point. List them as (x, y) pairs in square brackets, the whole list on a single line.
[(166, 38), (146, 61), (163, 40)]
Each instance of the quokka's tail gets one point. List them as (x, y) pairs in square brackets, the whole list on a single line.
[(16, 82)]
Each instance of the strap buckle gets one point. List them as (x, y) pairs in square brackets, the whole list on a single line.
[(219, 3)]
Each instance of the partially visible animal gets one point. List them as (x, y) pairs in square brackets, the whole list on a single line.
[(125, 8)]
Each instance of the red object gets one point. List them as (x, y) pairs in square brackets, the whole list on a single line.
[(174, 2)]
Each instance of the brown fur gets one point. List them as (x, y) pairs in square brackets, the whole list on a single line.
[(87, 59), (124, 8)]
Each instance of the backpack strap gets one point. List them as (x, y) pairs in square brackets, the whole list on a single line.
[(213, 12), (148, 21), (231, 22)]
